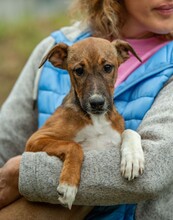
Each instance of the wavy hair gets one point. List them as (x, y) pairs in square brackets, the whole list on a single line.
[(104, 17)]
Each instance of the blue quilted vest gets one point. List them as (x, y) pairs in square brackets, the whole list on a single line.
[(133, 98)]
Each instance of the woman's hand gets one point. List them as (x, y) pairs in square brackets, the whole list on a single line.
[(9, 176)]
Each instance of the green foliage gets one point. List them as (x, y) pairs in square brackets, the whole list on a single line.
[(2, 31), (17, 40)]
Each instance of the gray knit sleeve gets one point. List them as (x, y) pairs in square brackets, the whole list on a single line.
[(17, 118), (101, 182)]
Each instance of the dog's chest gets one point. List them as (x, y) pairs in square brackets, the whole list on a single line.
[(98, 136)]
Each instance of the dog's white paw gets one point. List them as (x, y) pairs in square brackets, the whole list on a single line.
[(132, 156), (66, 194), (132, 164)]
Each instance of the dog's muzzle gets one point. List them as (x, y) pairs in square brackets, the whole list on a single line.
[(97, 104)]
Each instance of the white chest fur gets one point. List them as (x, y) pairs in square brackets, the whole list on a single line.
[(98, 136)]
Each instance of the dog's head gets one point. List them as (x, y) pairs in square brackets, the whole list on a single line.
[(92, 64)]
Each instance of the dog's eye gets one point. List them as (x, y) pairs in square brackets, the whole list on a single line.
[(108, 68), (79, 71)]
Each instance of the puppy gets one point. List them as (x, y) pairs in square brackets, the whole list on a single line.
[(87, 118)]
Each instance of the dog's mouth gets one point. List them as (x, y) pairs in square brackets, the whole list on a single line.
[(94, 111), (97, 112)]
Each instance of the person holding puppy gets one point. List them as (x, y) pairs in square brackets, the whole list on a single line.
[(143, 96)]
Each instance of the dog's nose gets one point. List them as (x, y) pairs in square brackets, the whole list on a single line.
[(97, 102)]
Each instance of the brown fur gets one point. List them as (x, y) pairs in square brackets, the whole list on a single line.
[(56, 137)]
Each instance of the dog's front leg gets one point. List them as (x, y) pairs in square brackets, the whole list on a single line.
[(71, 154), (132, 156)]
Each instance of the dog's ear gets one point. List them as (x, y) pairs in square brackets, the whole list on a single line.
[(123, 48), (57, 56)]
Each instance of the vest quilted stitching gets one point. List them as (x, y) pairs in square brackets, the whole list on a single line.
[(133, 98)]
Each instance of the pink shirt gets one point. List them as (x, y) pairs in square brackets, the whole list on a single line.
[(144, 48)]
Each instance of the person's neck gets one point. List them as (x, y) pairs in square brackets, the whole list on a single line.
[(138, 36), (130, 31)]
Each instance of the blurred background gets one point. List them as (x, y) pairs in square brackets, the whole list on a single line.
[(22, 25)]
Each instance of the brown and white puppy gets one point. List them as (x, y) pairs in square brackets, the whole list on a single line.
[(87, 118)]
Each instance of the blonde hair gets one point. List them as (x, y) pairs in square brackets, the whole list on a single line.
[(104, 17)]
